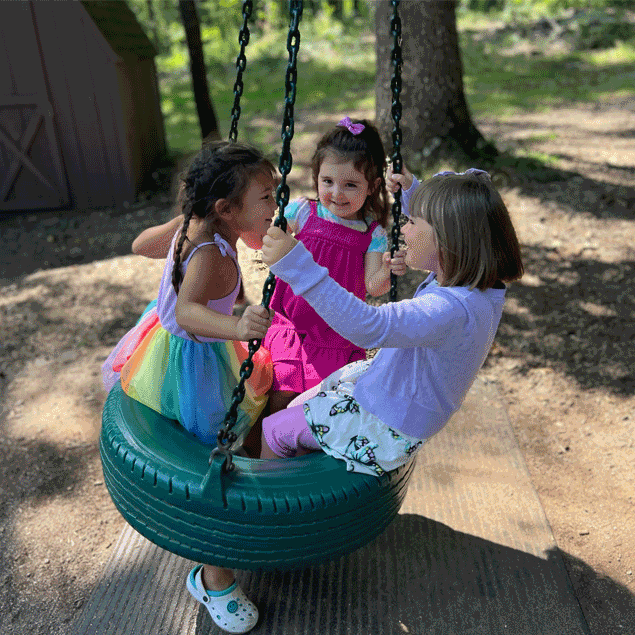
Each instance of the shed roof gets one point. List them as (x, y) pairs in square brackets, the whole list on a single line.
[(119, 26)]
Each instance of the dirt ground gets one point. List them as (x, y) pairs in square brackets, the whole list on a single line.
[(564, 362)]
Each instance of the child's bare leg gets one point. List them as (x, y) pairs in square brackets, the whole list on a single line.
[(280, 400), (217, 578)]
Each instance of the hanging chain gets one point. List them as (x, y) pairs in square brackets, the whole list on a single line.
[(241, 64), (397, 163), (288, 127), (225, 435)]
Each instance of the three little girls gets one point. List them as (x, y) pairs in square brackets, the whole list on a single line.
[(374, 414)]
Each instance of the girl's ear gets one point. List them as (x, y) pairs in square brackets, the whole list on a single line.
[(375, 185), (222, 208)]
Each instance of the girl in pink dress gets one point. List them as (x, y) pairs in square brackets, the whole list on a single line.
[(345, 231)]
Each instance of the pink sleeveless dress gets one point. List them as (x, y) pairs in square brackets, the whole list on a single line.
[(304, 348)]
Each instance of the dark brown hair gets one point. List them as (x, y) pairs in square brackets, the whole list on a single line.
[(474, 233), (221, 169), (366, 151)]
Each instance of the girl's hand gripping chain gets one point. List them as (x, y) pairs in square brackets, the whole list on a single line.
[(395, 181), (254, 323), (396, 265), (276, 245)]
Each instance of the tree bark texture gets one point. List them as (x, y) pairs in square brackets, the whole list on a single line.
[(152, 25), (436, 120), (204, 107)]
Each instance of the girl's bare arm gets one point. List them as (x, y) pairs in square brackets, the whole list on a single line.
[(210, 276), (155, 241), (378, 266)]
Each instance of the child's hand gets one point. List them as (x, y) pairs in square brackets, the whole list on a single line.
[(254, 323), (276, 245), (397, 264), (394, 181)]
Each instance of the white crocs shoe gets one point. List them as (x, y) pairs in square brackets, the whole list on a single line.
[(232, 611)]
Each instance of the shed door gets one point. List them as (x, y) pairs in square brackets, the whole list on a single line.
[(32, 176)]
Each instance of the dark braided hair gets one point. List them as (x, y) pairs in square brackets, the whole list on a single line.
[(221, 169), (367, 153)]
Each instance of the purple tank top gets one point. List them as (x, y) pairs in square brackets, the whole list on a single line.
[(341, 250)]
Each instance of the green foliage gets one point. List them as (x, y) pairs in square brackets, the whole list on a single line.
[(507, 70), (483, 6), (336, 71), (500, 81), (161, 20), (221, 20), (527, 9), (599, 31)]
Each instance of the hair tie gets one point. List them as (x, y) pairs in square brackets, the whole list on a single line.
[(353, 128), (474, 171)]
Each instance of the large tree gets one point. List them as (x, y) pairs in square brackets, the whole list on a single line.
[(436, 120), (204, 107)]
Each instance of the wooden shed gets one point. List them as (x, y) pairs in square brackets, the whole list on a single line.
[(80, 117)]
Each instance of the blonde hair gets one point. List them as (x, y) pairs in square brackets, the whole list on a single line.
[(476, 239)]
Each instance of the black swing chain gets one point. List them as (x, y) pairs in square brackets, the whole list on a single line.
[(225, 435), (397, 163), (241, 64)]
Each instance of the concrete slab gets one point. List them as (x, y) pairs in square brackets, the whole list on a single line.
[(470, 553)]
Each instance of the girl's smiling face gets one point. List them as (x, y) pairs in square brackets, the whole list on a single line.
[(341, 188), (422, 252), (256, 211)]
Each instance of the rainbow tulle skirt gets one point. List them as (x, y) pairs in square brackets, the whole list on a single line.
[(192, 382)]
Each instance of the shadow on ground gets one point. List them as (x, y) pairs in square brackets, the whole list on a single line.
[(573, 192), (422, 576), (576, 315), (32, 473)]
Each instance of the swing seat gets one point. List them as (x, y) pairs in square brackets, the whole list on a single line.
[(264, 514)]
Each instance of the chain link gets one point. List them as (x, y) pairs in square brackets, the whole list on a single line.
[(397, 163), (241, 64), (288, 129), (225, 435)]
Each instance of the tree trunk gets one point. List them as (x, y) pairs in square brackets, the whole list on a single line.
[(338, 8), (204, 107), (436, 120), (152, 25)]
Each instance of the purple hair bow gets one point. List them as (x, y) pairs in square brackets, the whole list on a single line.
[(474, 171), (353, 128)]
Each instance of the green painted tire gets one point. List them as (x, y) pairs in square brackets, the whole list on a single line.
[(278, 514)]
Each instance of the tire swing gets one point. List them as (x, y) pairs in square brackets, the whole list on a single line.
[(230, 510)]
